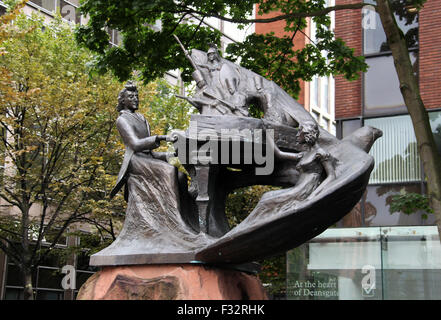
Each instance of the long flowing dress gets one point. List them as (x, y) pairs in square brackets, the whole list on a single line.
[(153, 222)]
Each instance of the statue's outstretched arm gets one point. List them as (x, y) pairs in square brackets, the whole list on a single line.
[(281, 155), (164, 156), (132, 141)]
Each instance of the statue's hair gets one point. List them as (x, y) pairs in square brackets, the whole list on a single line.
[(130, 86)]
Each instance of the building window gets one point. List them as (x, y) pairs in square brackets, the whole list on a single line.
[(382, 94), (382, 87), (349, 126), (114, 37), (396, 153), (321, 102), (374, 38), (321, 89), (397, 168), (435, 123), (46, 278), (68, 9), (48, 5)]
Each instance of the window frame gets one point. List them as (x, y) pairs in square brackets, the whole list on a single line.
[(388, 111), (57, 5)]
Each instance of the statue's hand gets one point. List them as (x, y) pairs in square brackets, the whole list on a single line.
[(161, 138), (322, 156), (172, 138), (298, 156)]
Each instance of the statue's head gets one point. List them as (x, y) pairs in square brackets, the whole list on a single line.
[(308, 133), (213, 53), (128, 97)]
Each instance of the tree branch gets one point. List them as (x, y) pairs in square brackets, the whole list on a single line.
[(15, 200), (10, 231), (292, 15), (11, 253)]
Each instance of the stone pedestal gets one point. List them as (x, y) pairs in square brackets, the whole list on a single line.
[(171, 282)]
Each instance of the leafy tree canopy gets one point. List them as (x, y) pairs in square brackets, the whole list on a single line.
[(57, 133), (60, 149), (155, 52)]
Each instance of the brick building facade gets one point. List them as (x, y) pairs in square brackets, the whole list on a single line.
[(372, 253), (375, 99), (430, 54), (317, 96)]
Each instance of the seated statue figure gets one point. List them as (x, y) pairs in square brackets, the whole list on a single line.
[(153, 221)]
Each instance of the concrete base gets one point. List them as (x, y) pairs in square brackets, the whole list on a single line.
[(171, 282)]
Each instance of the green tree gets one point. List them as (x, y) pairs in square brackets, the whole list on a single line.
[(409, 203), (6, 29), (61, 149), (167, 112), (155, 52)]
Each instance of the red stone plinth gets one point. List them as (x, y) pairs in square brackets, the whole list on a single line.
[(171, 282)]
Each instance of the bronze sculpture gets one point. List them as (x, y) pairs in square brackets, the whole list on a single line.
[(153, 219), (323, 177)]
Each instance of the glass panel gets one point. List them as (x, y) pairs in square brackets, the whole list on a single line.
[(74, 2), (49, 278), (324, 123), (314, 92), (411, 263), (55, 258), (381, 84), (313, 31), (13, 294), (330, 267), (324, 94), (49, 295), (374, 38), (349, 126), (367, 264), (14, 277), (378, 200), (83, 262), (435, 123), (82, 278), (51, 235), (46, 4), (116, 37), (396, 155), (333, 130)]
